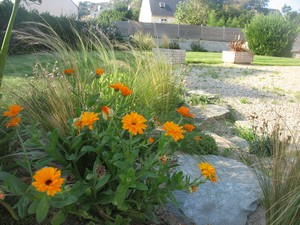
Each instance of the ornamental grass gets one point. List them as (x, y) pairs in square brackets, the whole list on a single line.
[(77, 78)]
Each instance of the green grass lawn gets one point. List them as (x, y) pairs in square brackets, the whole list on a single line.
[(216, 58)]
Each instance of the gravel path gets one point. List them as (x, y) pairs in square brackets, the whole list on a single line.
[(269, 92)]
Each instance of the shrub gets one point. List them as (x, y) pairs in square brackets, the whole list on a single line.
[(197, 46), (142, 41), (174, 45), (106, 169), (271, 35)]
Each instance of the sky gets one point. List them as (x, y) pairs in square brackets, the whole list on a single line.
[(274, 4)]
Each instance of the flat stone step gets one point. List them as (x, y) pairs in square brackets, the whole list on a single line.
[(210, 112)]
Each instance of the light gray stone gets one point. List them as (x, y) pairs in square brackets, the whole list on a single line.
[(227, 202), (203, 93), (210, 112), (222, 143), (240, 142)]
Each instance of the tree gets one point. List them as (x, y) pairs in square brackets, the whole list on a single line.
[(7, 36), (271, 35), (191, 12)]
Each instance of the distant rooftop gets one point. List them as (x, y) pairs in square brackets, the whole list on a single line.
[(163, 7)]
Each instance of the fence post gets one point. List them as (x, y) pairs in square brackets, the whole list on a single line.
[(224, 33), (201, 32)]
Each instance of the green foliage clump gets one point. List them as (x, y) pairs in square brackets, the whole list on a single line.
[(197, 46), (174, 45), (192, 12), (271, 35), (142, 41), (199, 143)]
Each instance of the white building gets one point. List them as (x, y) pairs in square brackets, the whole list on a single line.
[(158, 11), (53, 7)]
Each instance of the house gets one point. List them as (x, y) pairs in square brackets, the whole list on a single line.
[(53, 7), (158, 11), (93, 9)]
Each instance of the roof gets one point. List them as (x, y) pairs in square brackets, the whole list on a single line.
[(168, 10)]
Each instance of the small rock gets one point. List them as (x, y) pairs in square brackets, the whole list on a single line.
[(222, 142), (240, 142)]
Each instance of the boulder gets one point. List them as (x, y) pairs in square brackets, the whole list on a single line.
[(227, 202)]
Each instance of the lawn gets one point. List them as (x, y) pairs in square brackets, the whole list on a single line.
[(216, 58)]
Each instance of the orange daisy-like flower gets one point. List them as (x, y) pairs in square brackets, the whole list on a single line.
[(134, 123), (189, 127), (125, 91), (198, 138), (2, 195), (69, 71), (116, 86), (164, 159), (208, 171), (151, 140), (13, 122), (99, 72), (88, 119), (48, 180), (77, 123), (185, 112), (107, 112), (13, 110), (173, 130)]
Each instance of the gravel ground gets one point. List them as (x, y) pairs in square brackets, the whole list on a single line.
[(270, 92)]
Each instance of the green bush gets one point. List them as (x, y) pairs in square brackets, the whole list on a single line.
[(197, 46), (271, 35), (174, 45)]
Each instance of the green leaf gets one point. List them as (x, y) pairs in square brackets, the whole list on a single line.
[(42, 209), (64, 202), (90, 176), (52, 150), (22, 206), (13, 183), (122, 165), (86, 149), (120, 196), (10, 210), (76, 142), (92, 100), (102, 181), (43, 162), (32, 208), (141, 186), (105, 199), (70, 157), (59, 218)]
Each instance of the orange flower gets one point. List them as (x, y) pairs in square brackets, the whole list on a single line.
[(125, 91), (13, 122), (69, 71), (208, 171), (107, 112), (151, 140), (189, 127), (116, 86), (198, 138), (185, 112), (77, 123), (173, 130), (88, 119), (164, 159), (48, 180), (2, 195), (194, 188), (13, 110), (99, 72), (134, 123)]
